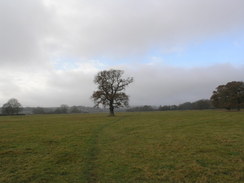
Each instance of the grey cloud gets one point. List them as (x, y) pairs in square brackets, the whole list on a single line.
[(122, 28), (162, 85), (61, 87), (24, 27), (42, 30)]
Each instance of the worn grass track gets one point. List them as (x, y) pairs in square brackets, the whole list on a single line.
[(92, 151), (179, 146)]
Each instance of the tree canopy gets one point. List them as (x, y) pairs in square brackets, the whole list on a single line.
[(229, 96), (110, 89)]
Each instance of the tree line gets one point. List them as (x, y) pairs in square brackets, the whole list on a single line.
[(64, 109), (197, 105), (229, 96)]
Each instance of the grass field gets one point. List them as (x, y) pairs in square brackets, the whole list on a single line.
[(179, 146)]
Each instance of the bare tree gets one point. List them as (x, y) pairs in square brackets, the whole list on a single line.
[(12, 107), (110, 89)]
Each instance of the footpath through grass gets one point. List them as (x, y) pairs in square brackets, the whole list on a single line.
[(179, 146)]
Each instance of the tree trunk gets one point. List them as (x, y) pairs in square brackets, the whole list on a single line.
[(238, 107), (238, 104), (111, 109)]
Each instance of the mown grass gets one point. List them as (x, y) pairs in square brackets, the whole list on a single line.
[(179, 146)]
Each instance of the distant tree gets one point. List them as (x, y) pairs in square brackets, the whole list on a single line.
[(110, 89), (141, 108), (38, 110), (173, 107), (168, 107), (185, 106), (197, 105), (63, 109), (147, 108), (164, 108), (229, 96), (74, 109), (202, 104), (11, 107)]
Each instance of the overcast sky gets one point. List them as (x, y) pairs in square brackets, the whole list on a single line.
[(176, 50)]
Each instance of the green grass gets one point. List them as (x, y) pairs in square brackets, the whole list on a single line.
[(179, 146)]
